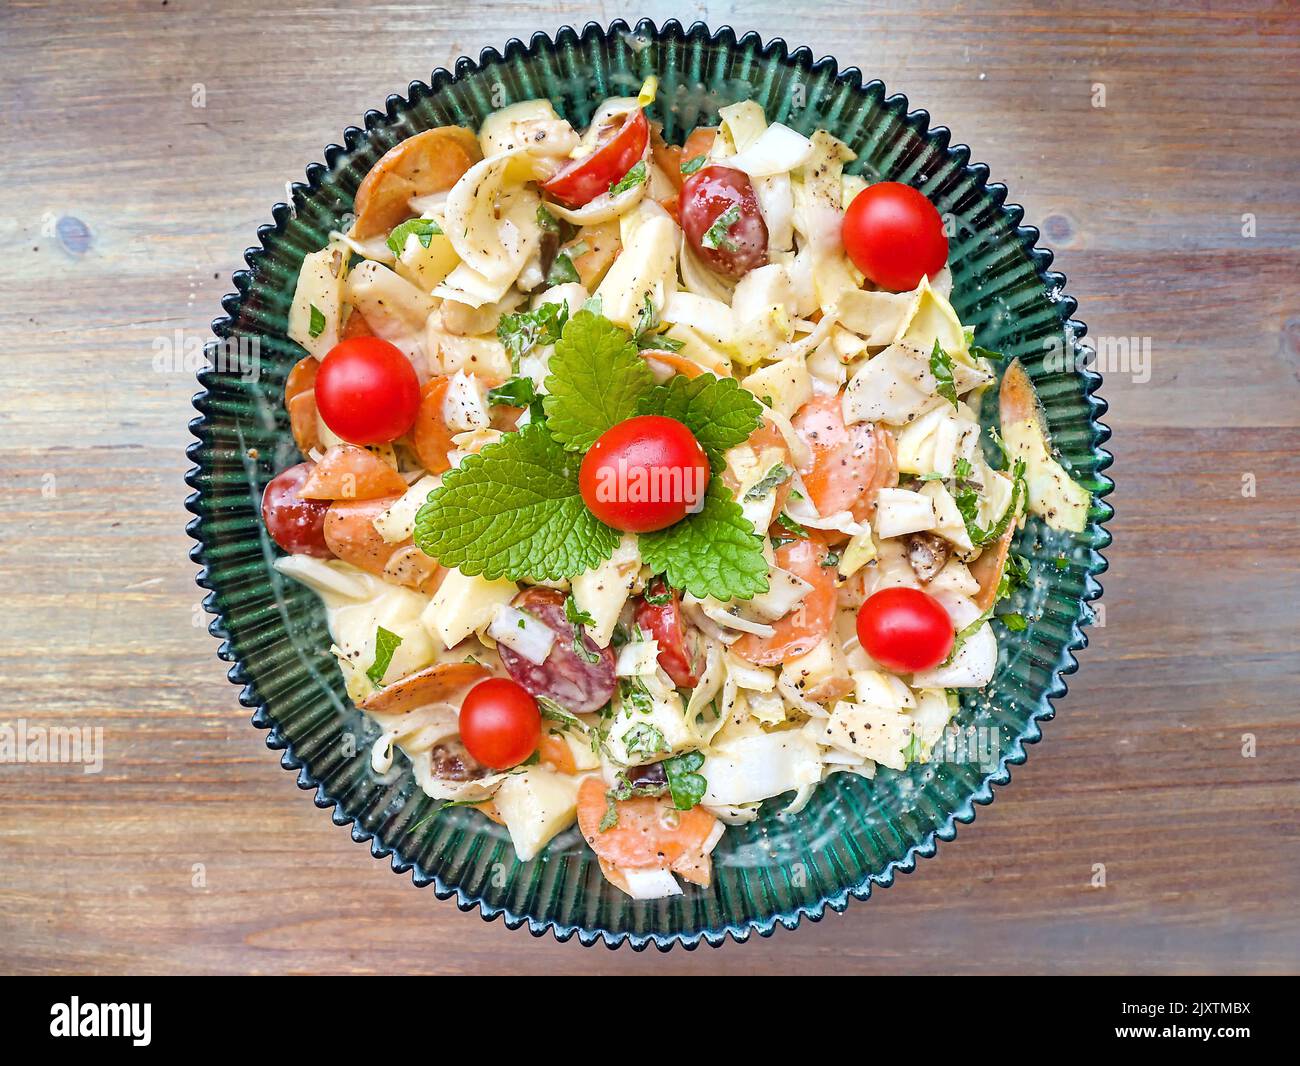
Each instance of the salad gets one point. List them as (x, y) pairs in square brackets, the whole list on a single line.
[(645, 483)]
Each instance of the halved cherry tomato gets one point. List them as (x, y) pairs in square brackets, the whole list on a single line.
[(347, 472), (582, 180), (500, 724), (644, 474), (808, 624), (894, 235), (650, 832), (905, 630), (295, 523), (664, 622), (430, 436), (367, 391), (850, 464), (738, 244)]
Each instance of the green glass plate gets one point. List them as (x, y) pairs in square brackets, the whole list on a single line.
[(854, 834)]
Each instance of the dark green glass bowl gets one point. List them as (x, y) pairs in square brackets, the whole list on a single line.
[(853, 834)]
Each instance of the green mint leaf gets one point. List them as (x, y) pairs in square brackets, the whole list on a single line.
[(686, 785), (793, 531), (522, 332), (633, 694), (514, 510), (659, 342), (517, 392), (317, 325), (630, 180), (546, 220), (986, 353), (562, 270), (690, 166), (774, 477), (644, 739), (596, 380), (386, 642), (579, 619), (713, 553), (914, 751), (716, 235), (424, 228), (941, 368), (716, 410)]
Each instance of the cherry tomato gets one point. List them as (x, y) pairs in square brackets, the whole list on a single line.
[(367, 391), (742, 245), (295, 523), (905, 630), (664, 622), (582, 180), (895, 236), (499, 723), (644, 474)]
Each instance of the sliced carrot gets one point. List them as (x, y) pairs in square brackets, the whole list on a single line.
[(556, 751), (302, 421), (700, 142), (430, 436), (603, 245), (671, 361), (650, 833), (355, 326), (347, 472), (850, 464), (433, 684), (808, 624), (429, 162)]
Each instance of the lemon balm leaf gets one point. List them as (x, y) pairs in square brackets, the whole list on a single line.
[(597, 378), (713, 553), (514, 510), (716, 410)]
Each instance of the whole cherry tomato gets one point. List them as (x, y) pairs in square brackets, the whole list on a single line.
[(500, 724), (721, 219), (367, 391), (582, 180), (895, 236), (644, 474), (660, 614), (905, 630), (296, 524)]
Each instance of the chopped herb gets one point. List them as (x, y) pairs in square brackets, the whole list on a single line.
[(632, 692), (1061, 562), (941, 368), (657, 593), (774, 477), (630, 180), (644, 739), (716, 235), (795, 531), (984, 353), (425, 229), (914, 751), (579, 618), (522, 332), (832, 558), (686, 785), (562, 270), (690, 166), (519, 391), (317, 325), (386, 642), (546, 220), (1014, 622)]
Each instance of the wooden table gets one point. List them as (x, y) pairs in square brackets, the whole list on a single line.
[(1175, 210)]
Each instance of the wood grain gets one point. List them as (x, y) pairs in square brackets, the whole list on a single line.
[(1145, 201)]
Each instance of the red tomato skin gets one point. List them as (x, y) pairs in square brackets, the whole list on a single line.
[(895, 236), (665, 624), (637, 460), (905, 630), (583, 180), (500, 724), (297, 525), (367, 391), (706, 194)]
